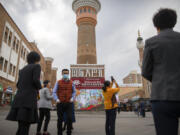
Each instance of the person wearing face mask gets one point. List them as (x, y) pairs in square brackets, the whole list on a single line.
[(64, 93)]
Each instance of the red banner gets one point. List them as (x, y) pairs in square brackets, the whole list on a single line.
[(88, 83)]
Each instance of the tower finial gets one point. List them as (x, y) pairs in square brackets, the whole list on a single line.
[(139, 35)]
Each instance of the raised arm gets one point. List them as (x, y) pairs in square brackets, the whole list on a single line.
[(111, 84), (117, 89)]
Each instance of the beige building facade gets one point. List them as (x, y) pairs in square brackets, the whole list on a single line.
[(14, 48), (133, 78), (130, 92)]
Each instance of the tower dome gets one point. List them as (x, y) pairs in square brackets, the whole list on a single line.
[(81, 3)]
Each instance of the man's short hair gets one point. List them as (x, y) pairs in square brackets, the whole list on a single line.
[(33, 57), (65, 70), (165, 18)]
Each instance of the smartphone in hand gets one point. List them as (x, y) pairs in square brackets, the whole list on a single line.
[(112, 79)]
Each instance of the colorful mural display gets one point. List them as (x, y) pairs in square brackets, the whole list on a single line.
[(88, 99)]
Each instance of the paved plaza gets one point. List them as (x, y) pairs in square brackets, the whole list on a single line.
[(90, 123)]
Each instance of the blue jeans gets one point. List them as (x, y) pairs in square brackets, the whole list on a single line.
[(166, 117), (110, 121)]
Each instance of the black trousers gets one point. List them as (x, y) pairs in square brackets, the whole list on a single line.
[(143, 113), (166, 117), (43, 113), (61, 108), (110, 121), (23, 128)]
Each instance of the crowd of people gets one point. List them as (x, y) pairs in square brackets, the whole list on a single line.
[(160, 66)]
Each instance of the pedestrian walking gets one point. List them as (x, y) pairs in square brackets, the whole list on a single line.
[(136, 108), (142, 107), (64, 94), (110, 106), (24, 106), (161, 66), (45, 106)]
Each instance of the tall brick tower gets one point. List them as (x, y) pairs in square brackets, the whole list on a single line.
[(86, 19)]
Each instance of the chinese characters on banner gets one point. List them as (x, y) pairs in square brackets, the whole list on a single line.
[(89, 80)]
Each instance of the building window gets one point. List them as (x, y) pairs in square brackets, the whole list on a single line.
[(89, 10), (80, 11), (6, 34), (1, 63), (22, 52), (27, 55), (14, 44), (10, 69), (93, 11), (84, 10), (5, 66), (14, 70), (17, 46), (10, 37)]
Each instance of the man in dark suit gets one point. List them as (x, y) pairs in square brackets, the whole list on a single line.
[(161, 66)]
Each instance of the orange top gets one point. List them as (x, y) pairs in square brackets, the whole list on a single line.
[(108, 96)]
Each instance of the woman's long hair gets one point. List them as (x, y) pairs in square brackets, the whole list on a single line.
[(106, 84)]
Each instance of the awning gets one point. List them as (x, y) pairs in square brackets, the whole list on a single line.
[(9, 90), (126, 100), (135, 98)]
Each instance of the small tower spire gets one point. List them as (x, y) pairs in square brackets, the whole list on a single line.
[(139, 35)]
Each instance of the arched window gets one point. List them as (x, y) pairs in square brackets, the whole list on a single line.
[(85, 10), (92, 11), (89, 10), (80, 11)]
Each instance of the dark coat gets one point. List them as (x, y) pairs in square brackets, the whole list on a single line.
[(28, 86), (161, 65)]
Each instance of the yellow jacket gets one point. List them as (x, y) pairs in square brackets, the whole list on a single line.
[(108, 96)]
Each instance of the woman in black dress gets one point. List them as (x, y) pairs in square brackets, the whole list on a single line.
[(24, 106)]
